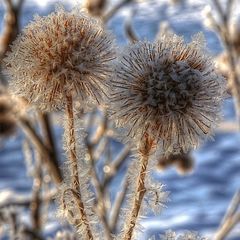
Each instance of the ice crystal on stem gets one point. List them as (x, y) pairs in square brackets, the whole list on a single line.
[(62, 53), (168, 90)]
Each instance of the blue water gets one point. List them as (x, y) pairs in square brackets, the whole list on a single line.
[(197, 201)]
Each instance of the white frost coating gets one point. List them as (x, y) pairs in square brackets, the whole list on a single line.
[(168, 90), (60, 54)]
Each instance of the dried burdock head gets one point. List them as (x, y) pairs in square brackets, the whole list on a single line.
[(182, 161), (64, 53), (169, 91)]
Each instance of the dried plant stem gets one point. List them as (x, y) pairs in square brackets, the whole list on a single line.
[(129, 30), (42, 149), (227, 227), (231, 218), (71, 144), (36, 198), (115, 165), (26, 202), (224, 34), (114, 10), (10, 31), (144, 152), (48, 135), (101, 207), (117, 207), (11, 25), (138, 198)]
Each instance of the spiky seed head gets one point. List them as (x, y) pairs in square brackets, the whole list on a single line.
[(64, 53), (169, 91)]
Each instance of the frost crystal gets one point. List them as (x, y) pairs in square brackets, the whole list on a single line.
[(62, 53), (168, 90)]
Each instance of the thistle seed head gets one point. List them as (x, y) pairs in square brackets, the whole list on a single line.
[(64, 53), (169, 91)]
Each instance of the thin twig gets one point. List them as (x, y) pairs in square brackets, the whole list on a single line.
[(117, 206), (101, 207), (36, 191), (100, 190), (224, 34), (128, 26), (231, 218), (26, 202), (47, 130), (115, 165), (40, 146), (114, 10)]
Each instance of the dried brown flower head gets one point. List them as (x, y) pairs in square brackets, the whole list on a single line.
[(168, 90), (64, 53)]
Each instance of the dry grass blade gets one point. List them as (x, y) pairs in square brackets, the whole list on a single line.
[(115, 9), (117, 206), (231, 218), (128, 26), (115, 165)]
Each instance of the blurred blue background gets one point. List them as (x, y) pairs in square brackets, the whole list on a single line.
[(197, 201)]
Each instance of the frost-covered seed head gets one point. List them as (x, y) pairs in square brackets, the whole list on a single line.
[(168, 90), (64, 53)]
